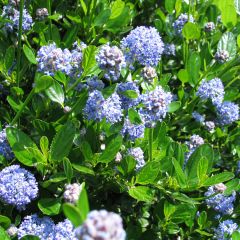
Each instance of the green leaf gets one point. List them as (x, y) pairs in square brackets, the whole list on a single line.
[(219, 178), (169, 209), (170, 5), (127, 165), (233, 185), (86, 150), (5, 221), (3, 234), (9, 57), (19, 143), (237, 6), (191, 31), (111, 149), (181, 177), (29, 54), (229, 16), (117, 8), (68, 169), (130, 94), (134, 116), (228, 43), (183, 213), (202, 169), (236, 235), (49, 206), (108, 91), (142, 193), (30, 237), (148, 173), (204, 151), (44, 145), (193, 67), (183, 76), (82, 203), (89, 61), (174, 106), (202, 219), (62, 142), (55, 93), (178, 7), (83, 169), (102, 18), (43, 82), (73, 214)]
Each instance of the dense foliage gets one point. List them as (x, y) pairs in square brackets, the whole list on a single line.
[(119, 119)]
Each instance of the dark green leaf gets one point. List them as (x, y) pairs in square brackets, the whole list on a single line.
[(142, 193), (55, 93), (5, 221), (68, 169), (134, 116), (83, 204), (19, 143), (193, 68), (130, 94), (102, 18), (73, 214), (9, 57), (43, 82), (83, 169), (62, 142), (111, 149), (89, 61), (29, 54), (49, 206), (174, 106), (181, 177), (219, 178), (148, 173)]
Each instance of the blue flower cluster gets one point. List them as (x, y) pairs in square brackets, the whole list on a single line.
[(148, 73), (212, 90), (94, 104), (5, 149), (112, 109), (132, 131), (225, 230), (33, 225), (12, 14), (18, 187), (101, 225), (111, 60), (209, 26), (198, 117), (45, 229), (181, 21), (138, 154), (97, 108), (94, 83), (227, 112), (126, 101), (155, 105), (218, 201), (63, 231), (52, 59), (222, 56), (194, 142), (143, 45), (169, 49)]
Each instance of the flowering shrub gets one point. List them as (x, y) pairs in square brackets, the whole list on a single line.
[(119, 120)]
